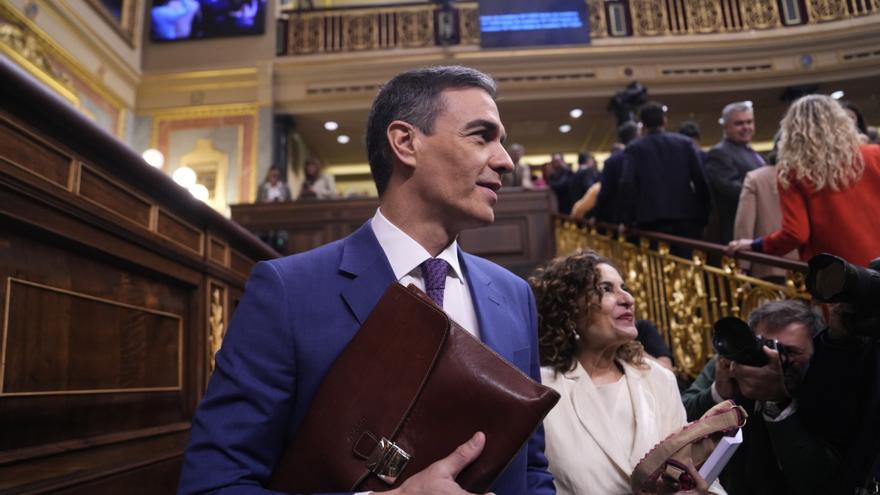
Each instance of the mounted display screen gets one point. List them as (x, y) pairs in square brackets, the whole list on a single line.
[(177, 20), (505, 23)]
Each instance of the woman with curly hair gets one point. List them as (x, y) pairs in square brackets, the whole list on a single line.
[(616, 404), (828, 186)]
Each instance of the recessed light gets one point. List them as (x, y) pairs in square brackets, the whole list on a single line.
[(837, 95), (343, 139), (576, 113), (564, 128), (331, 125)]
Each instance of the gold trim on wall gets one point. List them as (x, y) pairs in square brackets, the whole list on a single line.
[(60, 55), (200, 74), (222, 110), (4, 343), (217, 318), (125, 27)]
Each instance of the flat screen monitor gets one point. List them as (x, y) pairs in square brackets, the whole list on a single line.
[(506, 23), (178, 20)]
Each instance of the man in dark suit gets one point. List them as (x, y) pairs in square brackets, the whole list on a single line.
[(727, 165), (607, 208), (663, 187), (783, 450), (434, 142), (586, 175)]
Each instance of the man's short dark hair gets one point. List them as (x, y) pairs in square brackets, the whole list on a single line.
[(584, 157), (652, 115), (690, 129), (413, 97), (780, 314), (627, 131)]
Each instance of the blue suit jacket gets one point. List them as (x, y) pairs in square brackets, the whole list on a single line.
[(296, 316)]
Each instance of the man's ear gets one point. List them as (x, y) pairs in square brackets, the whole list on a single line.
[(401, 138)]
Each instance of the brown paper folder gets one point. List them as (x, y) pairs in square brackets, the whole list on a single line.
[(410, 387)]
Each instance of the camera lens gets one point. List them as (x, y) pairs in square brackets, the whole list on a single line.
[(830, 280)]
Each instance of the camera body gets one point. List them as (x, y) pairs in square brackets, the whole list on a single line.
[(735, 340)]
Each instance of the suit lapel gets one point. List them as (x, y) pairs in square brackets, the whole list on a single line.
[(365, 262), (592, 414), (646, 433), (489, 304)]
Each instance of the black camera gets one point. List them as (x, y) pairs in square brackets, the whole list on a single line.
[(735, 340), (834, 280)]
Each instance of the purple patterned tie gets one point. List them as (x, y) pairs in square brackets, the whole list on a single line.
[(434, 273)]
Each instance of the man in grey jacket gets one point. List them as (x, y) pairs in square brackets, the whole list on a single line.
[(727, 165)]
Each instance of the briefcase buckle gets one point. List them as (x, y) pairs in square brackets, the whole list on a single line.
[(387, 461)]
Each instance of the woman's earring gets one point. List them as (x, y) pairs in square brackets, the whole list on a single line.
[(577, 336)]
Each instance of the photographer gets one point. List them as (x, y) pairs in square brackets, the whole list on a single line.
[(841, 392), (779, 453)]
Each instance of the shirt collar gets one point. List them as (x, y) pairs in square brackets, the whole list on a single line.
[(404, 253)]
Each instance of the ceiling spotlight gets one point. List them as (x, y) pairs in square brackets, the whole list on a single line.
[(564, 128), (342, 139), (576, 113), (837, 95), (184, 176), (331, 125), (199, 192), (154, 157)]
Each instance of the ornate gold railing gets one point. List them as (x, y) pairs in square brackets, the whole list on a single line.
[(417, 25), (684, 297)]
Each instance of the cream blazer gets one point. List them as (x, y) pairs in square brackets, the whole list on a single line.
[(581, 444)]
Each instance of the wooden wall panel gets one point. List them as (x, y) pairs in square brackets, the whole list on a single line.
[(98, 346), (179, 231), (113, 196), (108, 324), (24, 150), (519, 239)]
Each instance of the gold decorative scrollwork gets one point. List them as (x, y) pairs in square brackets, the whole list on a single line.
[(408, 26), (705, 16), (416, 28), (683, 297), (216, 321), (826, 10), (759, 14), (360, 32), (598, 28), (469, 24), (649, 17), (19, 42), (306, 34)]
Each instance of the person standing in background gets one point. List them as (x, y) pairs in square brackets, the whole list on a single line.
[(727, 165)]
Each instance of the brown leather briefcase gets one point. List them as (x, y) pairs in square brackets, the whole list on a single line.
[(410, 387)]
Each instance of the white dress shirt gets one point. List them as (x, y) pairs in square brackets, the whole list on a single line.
[(406, 255)]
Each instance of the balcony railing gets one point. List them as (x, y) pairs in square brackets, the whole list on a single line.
[(417, 25), (684, 297)]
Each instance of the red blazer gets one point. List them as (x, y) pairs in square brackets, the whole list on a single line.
[(845, 223)]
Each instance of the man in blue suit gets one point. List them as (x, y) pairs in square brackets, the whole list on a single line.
[(434, 143)]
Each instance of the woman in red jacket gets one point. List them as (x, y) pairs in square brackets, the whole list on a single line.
[(829, 187)]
